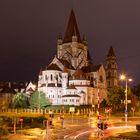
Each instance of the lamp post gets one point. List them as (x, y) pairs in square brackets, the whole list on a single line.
[(123, 77), (39, 101)]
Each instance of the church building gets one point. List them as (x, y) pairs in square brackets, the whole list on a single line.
[(71, 78)]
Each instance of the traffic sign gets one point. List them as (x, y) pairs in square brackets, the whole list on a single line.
[(128, 101), (21, 119), (125, 110), (72, 109)]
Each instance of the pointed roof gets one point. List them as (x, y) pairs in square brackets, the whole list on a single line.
[(111, 52), (66, 63), (65, 69), (91, 68), (72, 29), (53, 67), (78, 75)]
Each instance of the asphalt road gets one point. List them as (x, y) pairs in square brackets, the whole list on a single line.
[(94, 134), (76, 128)]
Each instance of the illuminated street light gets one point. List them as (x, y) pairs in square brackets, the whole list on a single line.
[(123, 77)]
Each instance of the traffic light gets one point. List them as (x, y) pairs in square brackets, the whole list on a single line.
[(99, 125), (102, 126), (105, 126)]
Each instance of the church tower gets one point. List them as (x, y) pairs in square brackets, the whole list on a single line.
[(72, 48), (111, 69)]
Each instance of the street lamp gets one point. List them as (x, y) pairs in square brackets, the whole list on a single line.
[(123, 77)]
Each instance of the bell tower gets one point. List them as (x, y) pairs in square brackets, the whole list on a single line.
[(111, 69), (71, 47)]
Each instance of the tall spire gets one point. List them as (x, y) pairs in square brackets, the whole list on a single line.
[(111, 52), (72, 29), (111, 69)]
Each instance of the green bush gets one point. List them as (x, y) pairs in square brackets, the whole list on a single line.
[(4, 130)]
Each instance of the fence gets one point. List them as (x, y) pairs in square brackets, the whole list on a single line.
[(82, 111)]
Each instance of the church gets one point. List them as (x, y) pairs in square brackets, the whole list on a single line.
[(71, 78)]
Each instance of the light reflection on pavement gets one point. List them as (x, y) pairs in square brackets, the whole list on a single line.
[(81, 129), (113, 131)]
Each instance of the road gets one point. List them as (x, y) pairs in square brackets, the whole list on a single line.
[(78, 128), (94, 134)]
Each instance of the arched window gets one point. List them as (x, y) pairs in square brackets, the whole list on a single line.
[(109, 66), (109, 74), (56, 77), (46, 77), (113, 65), (51, 77)]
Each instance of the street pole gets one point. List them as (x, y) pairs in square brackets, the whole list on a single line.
[(14, 124), (126, 112), (98, 108), (39, 101), (21, 127), (62, 118), (123, 77), (98, 102)]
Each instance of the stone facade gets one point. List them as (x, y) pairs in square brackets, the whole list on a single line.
[(71, 78)]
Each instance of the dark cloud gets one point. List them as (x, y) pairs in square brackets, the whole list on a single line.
[(29, 29)]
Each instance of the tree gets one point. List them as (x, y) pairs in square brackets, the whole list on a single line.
[(20, 100), (114, 98), (136, 90), (103, 105), (39, 99)]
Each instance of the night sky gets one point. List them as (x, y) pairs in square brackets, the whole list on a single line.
[(29, 30)]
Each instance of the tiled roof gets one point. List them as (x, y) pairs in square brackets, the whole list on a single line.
[(72, 29), (65, 70), (91, 68), (53, 67), (30, 90), (66, 63), (78, 75)]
